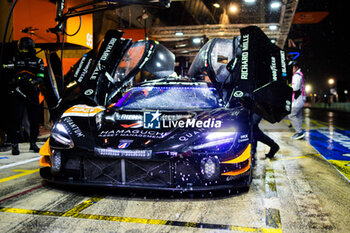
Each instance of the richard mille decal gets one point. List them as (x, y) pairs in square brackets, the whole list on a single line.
[(104, 57), (244, 67)]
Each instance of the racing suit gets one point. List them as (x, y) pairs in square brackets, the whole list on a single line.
[(28, 73), (298, 100)]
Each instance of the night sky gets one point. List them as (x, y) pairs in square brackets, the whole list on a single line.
[(326, 51)]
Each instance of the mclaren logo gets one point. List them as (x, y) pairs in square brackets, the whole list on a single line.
[(238, 94)]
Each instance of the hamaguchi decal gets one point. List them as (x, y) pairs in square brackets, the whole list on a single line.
[(132, 133)]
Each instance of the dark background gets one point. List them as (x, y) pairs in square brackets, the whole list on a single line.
[(325, 52)]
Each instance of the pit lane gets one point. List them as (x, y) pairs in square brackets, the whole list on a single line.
[(298, 191)]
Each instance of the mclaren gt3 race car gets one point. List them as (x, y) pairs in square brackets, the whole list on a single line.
[(170, 133), (163, 135)]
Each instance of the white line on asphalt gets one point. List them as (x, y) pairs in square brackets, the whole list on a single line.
[(19, 163)]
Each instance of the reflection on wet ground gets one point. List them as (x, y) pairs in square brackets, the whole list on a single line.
[(328, 132), (297, 191)]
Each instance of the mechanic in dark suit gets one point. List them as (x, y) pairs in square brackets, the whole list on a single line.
[(260, 136), (28, 73)]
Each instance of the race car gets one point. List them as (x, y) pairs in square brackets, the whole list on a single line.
[(170, 132)]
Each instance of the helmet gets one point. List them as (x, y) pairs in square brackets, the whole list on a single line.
[(25, 45), (294, 63)]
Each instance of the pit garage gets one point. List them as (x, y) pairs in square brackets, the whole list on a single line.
[(91, 176)]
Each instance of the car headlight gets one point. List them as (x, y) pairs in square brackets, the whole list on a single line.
[(210, 168), (213, 143), (61, 138), (217, 139), (220, 135)]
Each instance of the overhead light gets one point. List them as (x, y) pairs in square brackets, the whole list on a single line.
[(179, 33), (275, 4), (308, 88), (197, 40), (180, 45), (249, 1), (233, 8), (216, 5), (273, 41), (273, 27)]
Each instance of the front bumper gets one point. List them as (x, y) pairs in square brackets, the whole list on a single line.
[(172, 174)]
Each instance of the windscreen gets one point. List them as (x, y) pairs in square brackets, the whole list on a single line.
[(130, 60), (170, 97)]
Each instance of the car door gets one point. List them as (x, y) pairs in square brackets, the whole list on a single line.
[(248, 69)]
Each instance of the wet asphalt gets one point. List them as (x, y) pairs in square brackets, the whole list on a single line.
[(297, 191)]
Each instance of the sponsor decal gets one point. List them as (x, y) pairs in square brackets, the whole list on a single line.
[(283, 63), (154, 120), (244, 67), (193, 123), (185, 137), (273, 68), (85, 70), (124, 144), (288, 105), (73, 127), (89, 40), (80, 66), (238, 94), (133, 133), (82, 111), (243, 138), (130, 117), (151, 120), (104, 57), (132, 125), (89, 92)]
